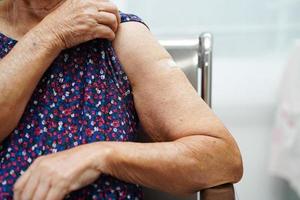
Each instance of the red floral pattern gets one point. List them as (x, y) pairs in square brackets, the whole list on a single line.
[(83, 97)]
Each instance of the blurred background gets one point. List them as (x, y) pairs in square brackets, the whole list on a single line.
[(253, 40)]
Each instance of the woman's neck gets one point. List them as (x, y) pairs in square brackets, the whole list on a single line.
[(36, 8), (23, 15)]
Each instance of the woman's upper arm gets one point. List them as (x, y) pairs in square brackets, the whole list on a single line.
[(167, 104)]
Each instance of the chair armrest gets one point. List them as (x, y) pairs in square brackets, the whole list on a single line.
[(222, 192)]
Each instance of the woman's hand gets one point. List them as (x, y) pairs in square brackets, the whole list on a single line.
[(52, 177), (78, 21), (71, 23)]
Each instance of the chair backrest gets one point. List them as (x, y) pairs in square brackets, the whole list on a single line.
[(185, 54)]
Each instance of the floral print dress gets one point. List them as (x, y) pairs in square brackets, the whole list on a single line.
[(83, 97)]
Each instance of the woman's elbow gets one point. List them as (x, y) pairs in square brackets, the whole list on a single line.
[(211, 162), (229, 163), (236, 169), (223, 162), (233, 160), (227, 168)]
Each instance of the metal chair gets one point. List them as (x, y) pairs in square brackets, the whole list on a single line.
[(226, 191), (195, 59)]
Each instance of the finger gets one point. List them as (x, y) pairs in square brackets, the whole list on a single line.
[(111, 8), (31, 186), (119, 17), (104, 32), (108, 19), (55, 193), (42, 190), (21, 182)]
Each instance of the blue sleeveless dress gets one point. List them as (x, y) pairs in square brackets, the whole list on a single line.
[(83, 97)]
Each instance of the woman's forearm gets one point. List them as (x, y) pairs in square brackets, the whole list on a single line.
[(180, 167), (20, 71)]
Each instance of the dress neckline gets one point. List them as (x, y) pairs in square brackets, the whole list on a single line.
[(7, 37)]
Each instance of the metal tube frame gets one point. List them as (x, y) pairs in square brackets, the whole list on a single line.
[(223, 192), (205, 64)]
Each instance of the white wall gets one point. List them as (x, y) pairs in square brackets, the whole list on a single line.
[(252, 40), (253, 26), (244, 98)]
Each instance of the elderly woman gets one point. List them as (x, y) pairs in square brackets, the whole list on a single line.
[(76, 82)]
